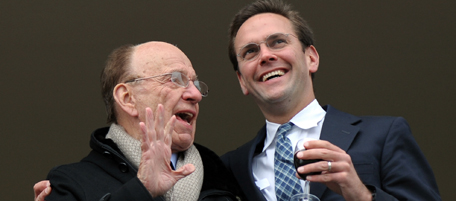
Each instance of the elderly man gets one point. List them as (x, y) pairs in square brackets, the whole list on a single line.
[(364, 158), (130, 160)]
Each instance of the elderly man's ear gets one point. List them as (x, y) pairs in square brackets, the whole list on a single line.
[(124, 99)]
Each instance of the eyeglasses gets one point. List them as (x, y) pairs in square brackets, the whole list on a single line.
[(179, 79), (273, 42)]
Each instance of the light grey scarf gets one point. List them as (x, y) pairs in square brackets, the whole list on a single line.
[(129, 146), (187, 188)]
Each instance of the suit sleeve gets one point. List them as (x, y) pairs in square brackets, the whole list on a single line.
[(405, 172)]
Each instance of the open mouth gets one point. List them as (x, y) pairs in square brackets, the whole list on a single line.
[(185, 116), (272, 75)]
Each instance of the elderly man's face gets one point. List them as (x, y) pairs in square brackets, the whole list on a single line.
[(161, 58)]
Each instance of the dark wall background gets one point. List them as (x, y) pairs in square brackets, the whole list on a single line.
[(377, 58)]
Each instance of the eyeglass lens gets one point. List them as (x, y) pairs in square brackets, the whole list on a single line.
[(182, 80), (274, 42)]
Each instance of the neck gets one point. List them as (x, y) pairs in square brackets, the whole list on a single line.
[(283, 112), (131, 126)]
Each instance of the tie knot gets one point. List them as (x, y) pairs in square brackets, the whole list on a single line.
[(284, 128)]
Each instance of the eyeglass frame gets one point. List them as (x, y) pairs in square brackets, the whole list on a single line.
[(195, 82), (261, 42)]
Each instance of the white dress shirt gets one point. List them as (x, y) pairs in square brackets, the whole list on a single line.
[(307, 125)]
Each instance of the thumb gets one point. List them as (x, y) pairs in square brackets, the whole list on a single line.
[(184, 171)]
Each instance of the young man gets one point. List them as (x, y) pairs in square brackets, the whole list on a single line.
[(363, 158)]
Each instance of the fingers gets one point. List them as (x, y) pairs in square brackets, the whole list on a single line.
[(41, 190), (41, 186), (148, 128), (169, 130), (145, 140), (322, 144), (320, 149), (159, 122), (155, 129), (43, 194), (327, 152), (322, 166)]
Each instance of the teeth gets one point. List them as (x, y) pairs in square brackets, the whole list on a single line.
[(186, 116), (190, 115), (273, 73)]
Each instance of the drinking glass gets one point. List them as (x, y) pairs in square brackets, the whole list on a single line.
[(306, 196), (302, 197)]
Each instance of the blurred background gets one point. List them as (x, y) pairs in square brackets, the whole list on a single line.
[(376, 58)]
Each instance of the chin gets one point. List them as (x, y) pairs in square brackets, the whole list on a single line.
[(182, 142)]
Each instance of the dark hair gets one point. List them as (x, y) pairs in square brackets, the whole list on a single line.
[(300, 26), (114, 71)]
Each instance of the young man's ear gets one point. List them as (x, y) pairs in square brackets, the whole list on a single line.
[(124, 99), (314, 59)]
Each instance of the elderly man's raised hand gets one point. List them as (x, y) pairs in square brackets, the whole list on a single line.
[(154, 170)]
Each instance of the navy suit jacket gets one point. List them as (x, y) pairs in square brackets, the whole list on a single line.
[(382, 149)]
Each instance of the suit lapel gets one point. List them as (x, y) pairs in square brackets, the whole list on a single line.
[(338, 128), (244, 163)]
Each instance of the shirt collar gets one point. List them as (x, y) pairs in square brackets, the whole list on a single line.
[(305, 119), (174, 160)]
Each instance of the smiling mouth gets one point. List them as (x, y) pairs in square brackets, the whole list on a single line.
[(185, 116), (273, 74)]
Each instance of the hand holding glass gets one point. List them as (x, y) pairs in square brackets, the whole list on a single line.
[(306, 196), (301, 162)]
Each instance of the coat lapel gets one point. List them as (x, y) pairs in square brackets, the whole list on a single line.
[(338, 128), (244, 162)]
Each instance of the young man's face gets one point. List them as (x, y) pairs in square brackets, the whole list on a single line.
[(275, 75)]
